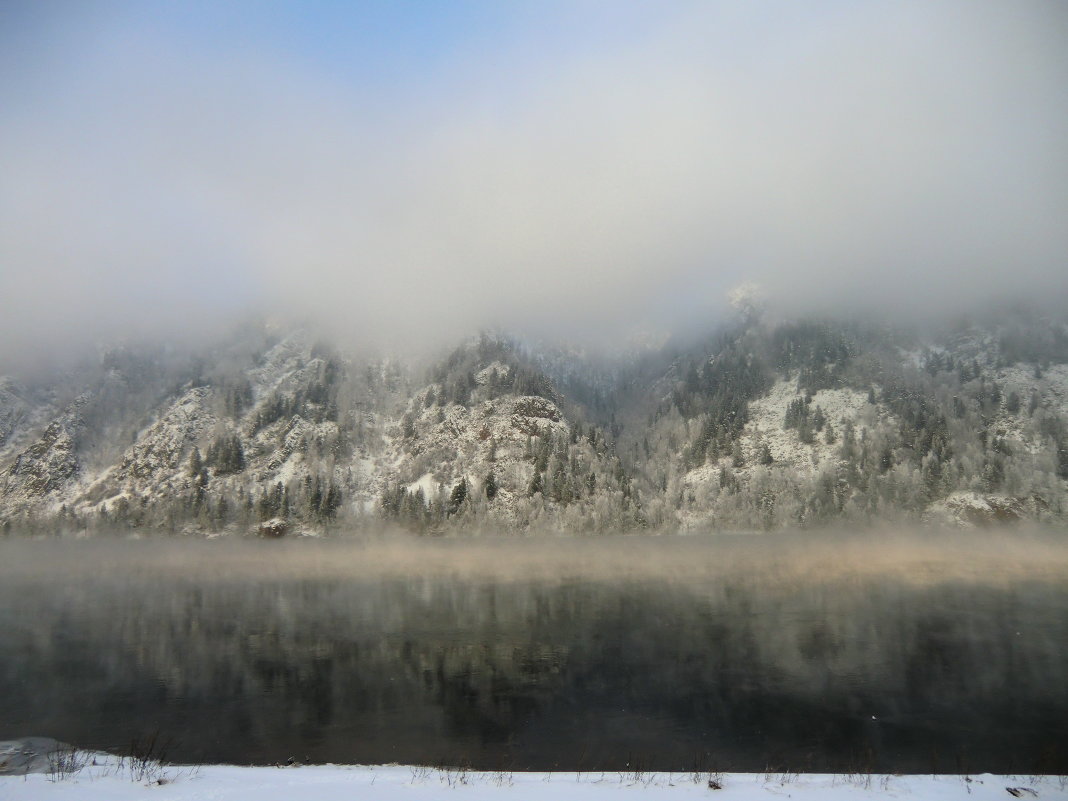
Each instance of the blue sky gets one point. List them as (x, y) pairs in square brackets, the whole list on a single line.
[(408, 171), (399, 43)]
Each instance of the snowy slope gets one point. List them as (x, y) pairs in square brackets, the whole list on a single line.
[(268, 426)]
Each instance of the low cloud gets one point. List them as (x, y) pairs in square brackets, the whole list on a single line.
[(573, 179)]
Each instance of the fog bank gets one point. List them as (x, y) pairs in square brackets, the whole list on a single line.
[(408, 175)]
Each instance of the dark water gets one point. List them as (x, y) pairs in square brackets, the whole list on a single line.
[(707, 658)]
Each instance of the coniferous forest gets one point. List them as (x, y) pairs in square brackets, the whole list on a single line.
[(759, 425)]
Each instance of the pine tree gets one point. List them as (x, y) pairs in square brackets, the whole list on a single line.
[(765, 454), (737, 458), (535, 485), (332, 501), (558, 487), (457, 497), (886, 458), (727, 480), (796, 414), (818, 419), (491, 486), (829, 435), (222, 513), (226, 455), (196, 464), (541, 452), (848, 451), (315, 496)]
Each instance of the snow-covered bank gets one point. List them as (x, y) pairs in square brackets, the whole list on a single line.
[(110, 781)]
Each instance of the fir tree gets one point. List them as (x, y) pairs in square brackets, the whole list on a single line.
[(886, 458), (535, 485), (765, 454), (737, 458), (196, 463), (829, 435), (818, 419), (457, 496)]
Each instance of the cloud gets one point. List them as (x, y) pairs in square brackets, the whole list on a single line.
[(567, 177)]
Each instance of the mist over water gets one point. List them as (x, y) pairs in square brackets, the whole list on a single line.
[(817, 651)]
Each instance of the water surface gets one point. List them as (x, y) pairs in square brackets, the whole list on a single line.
[(804, 651)]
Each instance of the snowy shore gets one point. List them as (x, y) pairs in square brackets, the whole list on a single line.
[(112, 780), (40, 768)]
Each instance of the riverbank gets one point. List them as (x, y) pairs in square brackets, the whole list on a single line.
[(89, 777)]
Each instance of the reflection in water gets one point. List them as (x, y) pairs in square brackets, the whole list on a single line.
[(560, 655)]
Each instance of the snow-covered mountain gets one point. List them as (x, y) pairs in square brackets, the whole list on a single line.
[(758, 426)]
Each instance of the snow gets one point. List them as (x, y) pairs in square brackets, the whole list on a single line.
[(453, 442), (503, 371), (765, 425), (766, 417), (154, 465), (427, 483), (915, 358), (1052, 387), (110, 781), (449, 441), (967, 509), (279, 365)]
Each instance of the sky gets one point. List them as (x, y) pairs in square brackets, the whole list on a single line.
[(409, 172)]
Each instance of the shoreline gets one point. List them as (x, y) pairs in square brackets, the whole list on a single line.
[(65, 772)]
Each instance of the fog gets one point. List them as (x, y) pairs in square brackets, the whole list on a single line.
[(994, 557), (406, 175)]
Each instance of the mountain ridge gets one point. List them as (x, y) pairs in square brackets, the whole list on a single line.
[(759, 425)]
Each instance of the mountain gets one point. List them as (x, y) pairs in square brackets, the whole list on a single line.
[(759, 425), (810, 422)]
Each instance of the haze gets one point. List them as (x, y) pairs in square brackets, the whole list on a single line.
[(994, 557), (410, 172)]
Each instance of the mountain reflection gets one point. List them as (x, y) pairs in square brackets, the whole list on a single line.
[(832, 653)]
